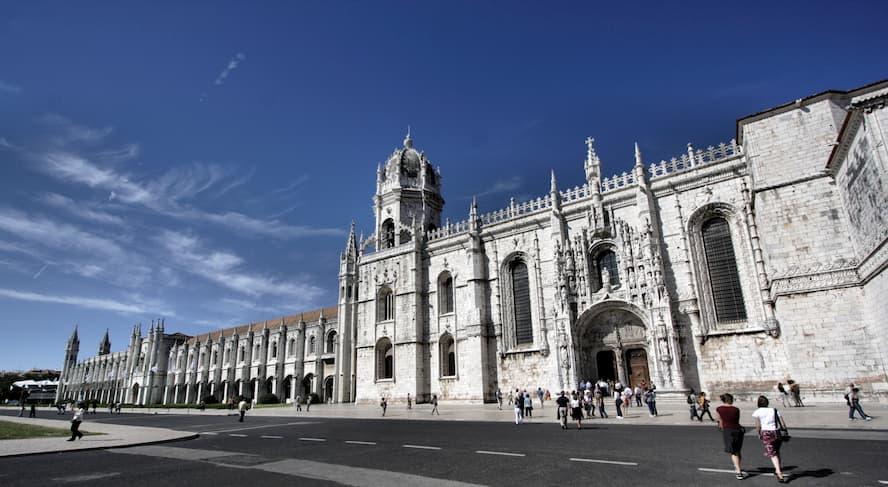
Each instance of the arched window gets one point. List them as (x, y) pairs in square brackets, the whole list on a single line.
[(274, 349), (448, 356), (445, 293), (385, 304), (607, 260), (521, 302), (256, 352), (387, 234), (385, 359), (215, 356), (242, 352), (312, 345), (292, 347), (331, 342), (721, 264)]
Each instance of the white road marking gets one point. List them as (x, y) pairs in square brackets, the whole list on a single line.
[(86, 477), (715, 470), (353, 442), (609, 462), (209, 433), (312, 439), (503, 453), (272, 437), (883, 482), (265, 426), (346, 475), (422, 447), (237, 435)]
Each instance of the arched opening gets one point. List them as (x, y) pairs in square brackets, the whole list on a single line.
[(448, 356), (328, 389), (287, 388), (521, 302), (445, 293), (385, 304), (387, 234), (291, 349), (269, 385), (307, 386), (611, 340), (274, 349), (253, 389), (135, 398), (385, 359), (331, 342), (312, 345)]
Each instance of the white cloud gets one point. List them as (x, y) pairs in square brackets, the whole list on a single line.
[(82, 302), (502, 186), (223, 269), (7, 87), (231, 66), (68, 131), (290, 187), (40, 271), (79, 209), (56, 235)]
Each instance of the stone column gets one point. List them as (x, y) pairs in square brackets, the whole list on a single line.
[(293, 388), (166, 393)]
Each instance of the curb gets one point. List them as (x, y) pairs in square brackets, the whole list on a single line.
[(94, 448)]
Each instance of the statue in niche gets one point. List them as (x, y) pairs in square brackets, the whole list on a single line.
[(605, 279)]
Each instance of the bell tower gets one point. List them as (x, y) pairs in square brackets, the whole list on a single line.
[(408, 196)]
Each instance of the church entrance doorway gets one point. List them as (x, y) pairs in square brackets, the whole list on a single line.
[(606, 361), (637, 360), (609, 342), (307, 384), (328, 389)]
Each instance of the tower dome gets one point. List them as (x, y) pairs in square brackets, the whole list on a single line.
[(406, 164)]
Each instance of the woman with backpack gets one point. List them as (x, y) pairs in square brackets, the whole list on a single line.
[(703, 402)]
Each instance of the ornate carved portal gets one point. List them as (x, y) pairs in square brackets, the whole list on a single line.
[(611, 342)]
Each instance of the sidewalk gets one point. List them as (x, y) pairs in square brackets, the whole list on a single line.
[(671, 413), (113, 436)]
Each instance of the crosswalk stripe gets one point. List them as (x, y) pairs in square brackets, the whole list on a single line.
[(237, 435), (272, 437), (502, 453), (354, 442), (422, 447), (312, 439)]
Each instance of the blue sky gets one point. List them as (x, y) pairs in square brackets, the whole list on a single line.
[(201, 161)]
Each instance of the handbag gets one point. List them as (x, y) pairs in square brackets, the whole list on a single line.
[(782, 432)]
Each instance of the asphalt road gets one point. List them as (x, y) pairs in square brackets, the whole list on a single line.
[(284, 450)]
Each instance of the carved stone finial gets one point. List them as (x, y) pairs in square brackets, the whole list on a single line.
[(638, 161), (408, 141)]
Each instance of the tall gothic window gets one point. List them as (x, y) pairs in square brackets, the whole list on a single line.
[(274, 349), (608, 260), (521, 302), (387, 234), (312, 345), (448, 356), (292, 348), (721, 263), (331, 342), (445, 293), (242, 352), (385, 359), (385, 304)]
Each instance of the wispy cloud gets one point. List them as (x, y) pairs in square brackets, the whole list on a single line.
[(501, 186), (81, 210), (68, 131), (231, 66), (81, 302), (57, 235), (293, 185), (6, 87), (225, 269), (40, 271)]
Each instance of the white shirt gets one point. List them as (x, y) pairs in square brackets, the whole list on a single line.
[(78, 415), (574, 403), (766, 418)]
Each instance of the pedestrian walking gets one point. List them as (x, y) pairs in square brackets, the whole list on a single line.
[(435, 405), (588, 403), (732, 432), (599, 395), (561, 411), (576, 411), (638, 393), (308, 403), (795, 392), (242, 409), (59, 408), (117, 407), (692, 404), (618, 401), (768, 421), (511, 398), (33, 412), (383, 404), (519, 407), (298, 403), (110, 408), (499, 398), (650, 398), (703, 403), (627, 398), (853, 400), (781, 393), (528, 405), (541, 396), (75, 423), (409, 401)]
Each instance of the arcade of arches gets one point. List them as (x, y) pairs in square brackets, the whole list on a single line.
[(611, 344)]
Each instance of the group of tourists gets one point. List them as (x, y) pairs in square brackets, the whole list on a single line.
[(790, 394)]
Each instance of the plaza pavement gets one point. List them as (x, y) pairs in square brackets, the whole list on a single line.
[(818, 420)]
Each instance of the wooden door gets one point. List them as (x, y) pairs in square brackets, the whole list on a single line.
[(638, 367)]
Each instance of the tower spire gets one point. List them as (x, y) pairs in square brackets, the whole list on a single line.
[(408, 141), (638, 161), (74, 338)]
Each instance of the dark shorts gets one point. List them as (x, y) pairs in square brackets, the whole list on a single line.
[(576, 413), (733, 441)]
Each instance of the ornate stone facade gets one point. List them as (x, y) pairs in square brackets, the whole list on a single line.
[(728, 268)]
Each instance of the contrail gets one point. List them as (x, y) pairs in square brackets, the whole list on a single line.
[(41, 271)]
